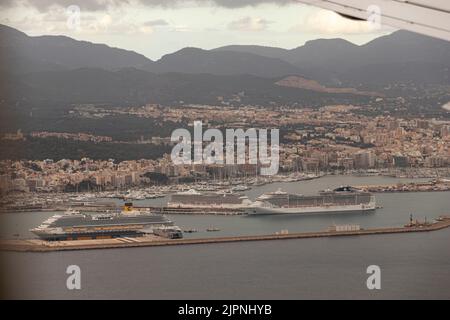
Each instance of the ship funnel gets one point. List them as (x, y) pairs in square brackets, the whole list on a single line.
[(128, 207)]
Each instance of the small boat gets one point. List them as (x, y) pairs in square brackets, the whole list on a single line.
[(240, 188), (212, 229), (169, 232), (71, 211)]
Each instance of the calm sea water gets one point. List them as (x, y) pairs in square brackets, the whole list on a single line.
[(412, 265)]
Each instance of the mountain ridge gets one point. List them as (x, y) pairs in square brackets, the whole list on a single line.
[(397, 57), (21, 53)]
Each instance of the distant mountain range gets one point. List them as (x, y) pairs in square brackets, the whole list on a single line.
[(62, 69), (399, 56), (338, 54), (23, 54)]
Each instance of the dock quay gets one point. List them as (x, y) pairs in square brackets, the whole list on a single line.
[(36, 245), (162, 210), (407, 187), (194, 211)]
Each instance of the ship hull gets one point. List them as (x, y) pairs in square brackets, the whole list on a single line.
[(88, 235), (311, 210), (204, 206)]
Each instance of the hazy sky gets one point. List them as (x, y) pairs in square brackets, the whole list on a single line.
[(158, 27)]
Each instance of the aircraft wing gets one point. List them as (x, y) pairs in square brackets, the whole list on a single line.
[(429, 17)]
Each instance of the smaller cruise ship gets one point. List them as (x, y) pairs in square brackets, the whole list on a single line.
[(195, 199)]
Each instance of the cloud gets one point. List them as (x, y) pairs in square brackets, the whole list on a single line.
[(181, 28), (44, 5), (156, 23), (148, 26), (96, 5), (244, 3), (329, 22), (249, 24), (54, 22), (106, 24)]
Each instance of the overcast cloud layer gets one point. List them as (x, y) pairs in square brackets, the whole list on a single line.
[(95, 5)]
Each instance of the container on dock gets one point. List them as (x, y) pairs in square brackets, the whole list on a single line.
[(344, 227)]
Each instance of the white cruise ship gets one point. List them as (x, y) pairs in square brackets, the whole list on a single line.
[(195, 199), (340, 200)]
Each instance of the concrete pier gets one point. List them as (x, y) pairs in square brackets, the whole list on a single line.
[(36, 245)]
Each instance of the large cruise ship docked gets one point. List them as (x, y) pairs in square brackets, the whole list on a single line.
[(212, 200), (74, 225), (342, 199)]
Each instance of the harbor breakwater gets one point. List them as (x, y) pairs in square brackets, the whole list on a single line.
[(36, 245)]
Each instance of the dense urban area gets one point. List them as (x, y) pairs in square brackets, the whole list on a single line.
[(336, 138)]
